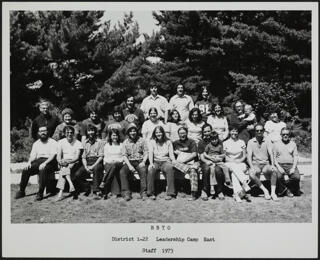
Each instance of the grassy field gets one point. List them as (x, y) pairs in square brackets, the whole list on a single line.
[(116, 210)]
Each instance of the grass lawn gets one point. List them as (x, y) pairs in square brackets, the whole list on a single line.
[(116, 210)]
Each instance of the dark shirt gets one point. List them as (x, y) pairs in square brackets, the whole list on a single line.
[(99, 125), (189, 146), (51, 121), (233, 120), (136, 116), (214, 149), (202, 145)]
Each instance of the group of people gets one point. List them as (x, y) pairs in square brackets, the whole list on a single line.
[(174, 137)]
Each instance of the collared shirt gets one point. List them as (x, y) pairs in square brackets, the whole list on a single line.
[(285, 153), (159, 102), (135, 151), (93, 150), (183, 104), (44, 149), (69, 150), (259, 151), (51, 121), (136, 116)]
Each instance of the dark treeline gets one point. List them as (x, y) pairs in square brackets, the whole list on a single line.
[(74, 59)]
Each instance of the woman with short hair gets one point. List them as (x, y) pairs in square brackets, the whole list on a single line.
[(149, 125)]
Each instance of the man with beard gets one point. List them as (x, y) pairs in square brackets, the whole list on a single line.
[(286, 160), (45, 118), (42, 162), (135, 155), (92, 163), (157, 101), (181, 102), (132, 114)]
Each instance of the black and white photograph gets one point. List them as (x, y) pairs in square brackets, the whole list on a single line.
[(161, 115)]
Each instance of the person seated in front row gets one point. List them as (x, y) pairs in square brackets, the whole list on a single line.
[(161, 158), (67, 115), (91, 164), (286, 160), (135, 156), (186, 151), (214, 152), (41, 161), (113, 162), (259, 153), (68, 157)]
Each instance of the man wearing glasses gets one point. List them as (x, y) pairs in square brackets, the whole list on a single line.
[(260, 160), (286, 160)]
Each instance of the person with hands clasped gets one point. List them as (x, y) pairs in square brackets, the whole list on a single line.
[(135, 155)]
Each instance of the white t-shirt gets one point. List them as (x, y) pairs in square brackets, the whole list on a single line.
[(273, 130), (194, 130), (183, 104), (69, 150), (233, 149), (148, 127), (112, 153), (172, 130), (220, 125), (45, 150)]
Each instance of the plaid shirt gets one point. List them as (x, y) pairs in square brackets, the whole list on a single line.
[(135, 151)]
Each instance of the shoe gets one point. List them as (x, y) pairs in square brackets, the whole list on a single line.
[(193, 196), (237, 199), (274, 197), (246, 186), (105, 197), (204, 195), (58, 198), (143, 196), (87, 191), (102, 185), (229, 185), (153, 197), (38, 197), (19, 195), (72, 189), (168, 197), (247, 198), (96, 196), (289, 194), (267, 196), (127, 198), (221, 196), (75, 196)]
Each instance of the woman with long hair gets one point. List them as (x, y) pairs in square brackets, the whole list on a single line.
[(161, 157), (113, 162), (173, 125), (219, 122), (204, 103), (194, 124)]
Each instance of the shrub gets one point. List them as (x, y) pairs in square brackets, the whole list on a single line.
[(21, 144)]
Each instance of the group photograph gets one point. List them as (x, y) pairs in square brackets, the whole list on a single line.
[(190, 116)]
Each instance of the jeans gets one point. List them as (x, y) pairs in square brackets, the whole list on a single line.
[(82, 174), (219, 175), (125, 174), (167, 169), (293, 184), (111, 177), (45, 175)]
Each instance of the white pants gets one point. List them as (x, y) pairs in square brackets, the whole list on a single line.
[(238, 175)]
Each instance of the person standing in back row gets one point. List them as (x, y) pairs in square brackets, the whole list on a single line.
[(181, 102), (157, 101)]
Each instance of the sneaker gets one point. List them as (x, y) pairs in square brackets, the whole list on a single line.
[(237, 199), (153, 197), (102, 185), (72, 189), (274, 197), (105, 197), (289, 194), (143, 196), (58, 198), (229, 185), (267, 196), (221, 196), (192, 197), (96, 196), (19, 195), (127, 198), (168, 197), (247, 198), (38, 197), (204, 195)]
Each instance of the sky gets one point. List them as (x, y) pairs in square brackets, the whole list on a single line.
[(144, 18)]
